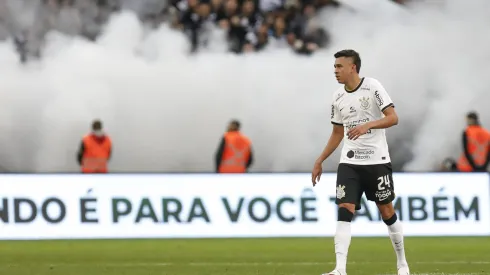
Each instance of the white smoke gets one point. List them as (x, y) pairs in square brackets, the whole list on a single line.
[(166, 110)]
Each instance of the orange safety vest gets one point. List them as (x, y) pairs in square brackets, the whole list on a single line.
[(478, 147), (236, 153), (96, 154)]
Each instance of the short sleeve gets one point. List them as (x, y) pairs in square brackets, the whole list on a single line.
[(335, 117), (381, 97)]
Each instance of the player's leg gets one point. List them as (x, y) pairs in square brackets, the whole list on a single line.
[(348, 199), (395, 230), (343, 236), (382, 191)]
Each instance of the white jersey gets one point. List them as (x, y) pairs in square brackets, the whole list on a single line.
[(365, 103)]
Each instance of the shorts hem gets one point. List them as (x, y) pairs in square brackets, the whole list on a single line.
[(357, 205), (383, 202), (365, 164)]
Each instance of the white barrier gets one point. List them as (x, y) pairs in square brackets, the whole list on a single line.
[(255, 205)]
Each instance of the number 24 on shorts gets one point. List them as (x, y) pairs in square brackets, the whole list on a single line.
[(384, 180)]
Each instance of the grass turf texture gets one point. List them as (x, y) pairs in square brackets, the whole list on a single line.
[(311, 256)]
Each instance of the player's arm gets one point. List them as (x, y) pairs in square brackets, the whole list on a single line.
[(385, 105), (336, 136), (390, 119), (332, 144)]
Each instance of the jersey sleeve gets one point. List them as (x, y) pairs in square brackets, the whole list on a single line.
[(335, 117), (383, 100)]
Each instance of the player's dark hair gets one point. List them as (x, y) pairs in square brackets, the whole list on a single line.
[(356, 59)]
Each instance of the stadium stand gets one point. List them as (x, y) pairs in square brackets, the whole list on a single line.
[(250, 25)]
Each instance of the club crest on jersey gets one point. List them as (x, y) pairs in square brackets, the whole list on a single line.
[(364, 103)]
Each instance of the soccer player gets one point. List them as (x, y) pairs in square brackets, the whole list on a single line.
[(361, 110)]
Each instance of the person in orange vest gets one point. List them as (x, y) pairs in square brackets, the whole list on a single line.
[(476, 146), (234, 154), (95, 150)]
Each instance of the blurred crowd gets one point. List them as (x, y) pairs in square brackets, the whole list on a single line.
[(252, 25), (249, 25)]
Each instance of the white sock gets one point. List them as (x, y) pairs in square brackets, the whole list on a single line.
[(342, 243), (396, 236)]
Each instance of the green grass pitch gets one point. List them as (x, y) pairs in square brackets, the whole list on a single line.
[(274, 256)]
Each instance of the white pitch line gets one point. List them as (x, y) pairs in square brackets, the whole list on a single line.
[(323, 263), (126, 264), (439, 274)]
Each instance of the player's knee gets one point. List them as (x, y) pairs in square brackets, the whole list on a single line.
[(344, 214), (387, 211), (349, 206), (391, 220)]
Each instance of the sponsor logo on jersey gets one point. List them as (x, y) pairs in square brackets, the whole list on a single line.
[(352, 110), (365, 88), (378, 98), (360, 154), (364, 103), (354, 123), (351, 124), (333, 112)]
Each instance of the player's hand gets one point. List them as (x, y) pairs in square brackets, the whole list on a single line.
[(316, 173), (358, 131)]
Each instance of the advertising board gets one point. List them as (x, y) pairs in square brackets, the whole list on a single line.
[(210, 205)]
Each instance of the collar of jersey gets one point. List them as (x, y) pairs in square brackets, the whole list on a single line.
[(357, 88)]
